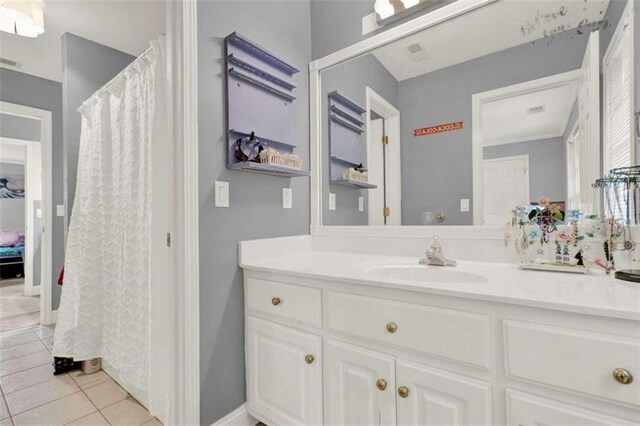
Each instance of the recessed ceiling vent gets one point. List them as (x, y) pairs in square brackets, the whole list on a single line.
[(415, 51), (536, 109), (9, 62)]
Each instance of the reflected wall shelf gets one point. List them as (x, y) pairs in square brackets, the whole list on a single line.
[(259, 100), (347, 147)]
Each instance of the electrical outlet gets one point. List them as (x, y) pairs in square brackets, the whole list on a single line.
[(221, 194), (39, 213), (286, 198), (360, 204), (332, 201), (464, 205)]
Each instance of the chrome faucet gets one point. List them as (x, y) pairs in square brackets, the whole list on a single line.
[(435, 256)]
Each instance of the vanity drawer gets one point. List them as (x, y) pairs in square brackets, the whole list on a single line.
[(446, 333), (577, 360), (294, 302)]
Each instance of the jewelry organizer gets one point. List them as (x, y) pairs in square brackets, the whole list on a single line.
[(259, 105), (347, 146)]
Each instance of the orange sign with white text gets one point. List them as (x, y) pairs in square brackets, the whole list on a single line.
[(456, 125)]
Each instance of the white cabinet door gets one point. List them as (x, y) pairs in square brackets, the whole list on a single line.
[(524, 409), (428, 397), (359, 386), (284, 374)]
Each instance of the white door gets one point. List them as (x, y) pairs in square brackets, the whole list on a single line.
[(505, 185), (525, 409), (588, 122), (375, 163), (432, 397), (359, 386), (284, 374)]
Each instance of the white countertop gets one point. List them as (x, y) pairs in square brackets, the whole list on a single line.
[(589, 294)]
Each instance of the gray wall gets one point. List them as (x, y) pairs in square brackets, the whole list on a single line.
[(351, 79), (256, 200), (86, 66), (547, 165), (437, 169), (12, 209), (12, 126), (23, 89)]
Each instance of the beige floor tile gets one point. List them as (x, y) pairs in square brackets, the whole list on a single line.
[(48, 342), (127, 412), (94, 419), (59, 412), (6, 422), (19, 321), (26, 362), (87, 380), (14, 338), (105, 393), (153, 422), (4, 411), (20, 350), (26, 378), (44, 331), (40, 394)]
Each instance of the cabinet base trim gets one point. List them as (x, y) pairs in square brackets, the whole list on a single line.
[(238, 417)]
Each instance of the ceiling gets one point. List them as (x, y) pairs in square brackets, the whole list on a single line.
[(509, 120), (128, 26), (490, 29)]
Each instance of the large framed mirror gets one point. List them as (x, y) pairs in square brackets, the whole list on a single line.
[(460, 115)]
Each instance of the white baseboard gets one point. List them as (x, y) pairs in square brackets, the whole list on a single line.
[(238, 417)]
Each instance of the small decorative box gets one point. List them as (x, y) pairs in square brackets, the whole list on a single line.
[(351, 174), (273, 157)]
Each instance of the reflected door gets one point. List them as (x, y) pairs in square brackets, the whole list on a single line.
[(505, 184)]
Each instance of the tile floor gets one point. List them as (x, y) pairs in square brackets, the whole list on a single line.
[(32, 395), (17, 310)]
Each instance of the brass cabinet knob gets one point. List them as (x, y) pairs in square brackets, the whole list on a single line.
[(381, 384), (275, 301), (622, 376), (403, 391), (392, 327), (309, 359)]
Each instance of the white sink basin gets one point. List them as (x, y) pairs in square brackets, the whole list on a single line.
[(423, 273)]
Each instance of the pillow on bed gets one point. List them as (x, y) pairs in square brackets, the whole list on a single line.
[(11, 238)]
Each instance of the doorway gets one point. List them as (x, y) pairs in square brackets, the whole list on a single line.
[(383, 157), (34, 220)]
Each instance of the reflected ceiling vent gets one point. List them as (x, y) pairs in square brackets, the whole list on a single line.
[(416, 52), (10, 63), (536, 109)]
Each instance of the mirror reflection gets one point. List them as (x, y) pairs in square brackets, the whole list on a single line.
[(459, 123)]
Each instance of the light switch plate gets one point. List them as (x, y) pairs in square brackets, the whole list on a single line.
[(360, 204), (464, 205), (287, 198), (38, 213), (221, 194), (332, 201), (60, 210)]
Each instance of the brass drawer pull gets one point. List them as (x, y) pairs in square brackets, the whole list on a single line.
[(275, 301), (381, 384), (622, 376), (403, 391), (392, 327), (309, 359)]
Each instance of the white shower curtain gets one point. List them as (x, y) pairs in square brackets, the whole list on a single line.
[(108, 292)]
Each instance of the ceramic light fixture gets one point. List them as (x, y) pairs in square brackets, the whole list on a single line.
[(22, 17)]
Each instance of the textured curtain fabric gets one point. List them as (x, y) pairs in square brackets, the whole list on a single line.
[(106, 298)]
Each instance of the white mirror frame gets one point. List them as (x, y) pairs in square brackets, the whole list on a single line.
[(420, 23)]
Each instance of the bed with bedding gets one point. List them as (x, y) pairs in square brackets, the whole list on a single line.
[(11, 254)]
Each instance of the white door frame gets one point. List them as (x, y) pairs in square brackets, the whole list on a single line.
[(478, 99), (393, 163), (46, 140), (182, 100), (33, 183)]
